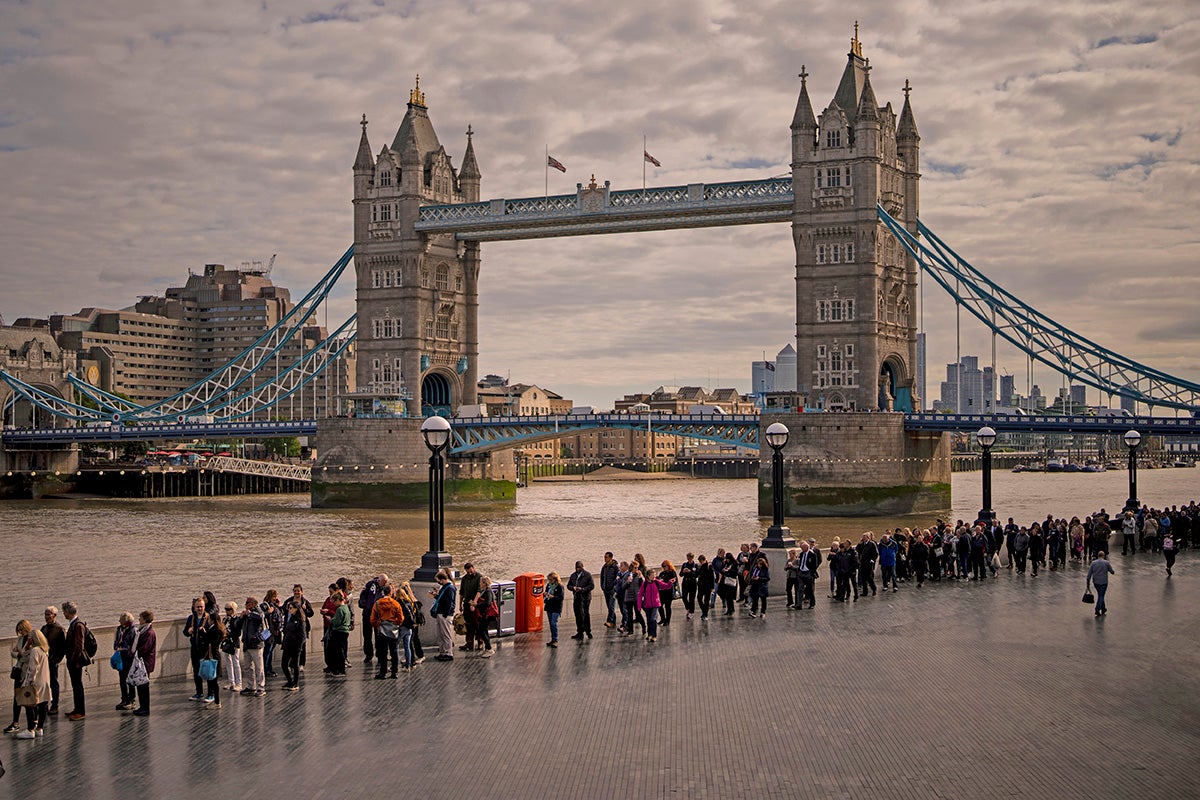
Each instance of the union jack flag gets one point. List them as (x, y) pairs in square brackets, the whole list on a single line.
[(551, 161), (651, 159)]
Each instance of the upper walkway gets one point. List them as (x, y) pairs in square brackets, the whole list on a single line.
[(1007, 688)]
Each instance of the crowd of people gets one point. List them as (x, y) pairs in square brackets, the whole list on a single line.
[(233, 647)]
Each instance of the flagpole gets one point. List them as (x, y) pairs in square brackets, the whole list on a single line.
[(546, 167), (643, 164)]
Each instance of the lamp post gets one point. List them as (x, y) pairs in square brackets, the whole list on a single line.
[(778, 534), (986, 436), (436, 432), (1132, 440)]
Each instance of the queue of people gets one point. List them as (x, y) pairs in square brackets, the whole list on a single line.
[(235, 649)]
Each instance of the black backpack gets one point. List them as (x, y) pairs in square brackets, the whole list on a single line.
[(90, 645)]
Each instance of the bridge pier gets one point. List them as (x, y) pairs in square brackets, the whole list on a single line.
[(857, 464), (383, 463)]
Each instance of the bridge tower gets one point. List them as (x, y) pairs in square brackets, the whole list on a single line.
[(856, 336), (417, 293)]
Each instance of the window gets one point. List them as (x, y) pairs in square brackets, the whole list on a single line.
[(385, 212), (849, 252), (833, 138), (385, 178), (846, 173), (820, 254), (387, 279), (458, 282), (848, 313), (833, 177), (821, 351), (835, 309), (376, 280), (822, 311), (849, 349), (428, 328), (443, 326), (835, 252), (374, 213), (425, 278), (398, 278), (443, 277)]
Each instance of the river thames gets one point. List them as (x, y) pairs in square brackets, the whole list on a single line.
[(125, 555)]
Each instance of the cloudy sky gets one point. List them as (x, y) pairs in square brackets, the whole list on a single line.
[(1059, 151)]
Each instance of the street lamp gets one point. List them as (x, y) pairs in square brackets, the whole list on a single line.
[(1132, 440), (986, 436), (777, 535), (436, 432)]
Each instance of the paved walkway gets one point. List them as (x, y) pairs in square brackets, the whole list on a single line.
[(1007, 689)]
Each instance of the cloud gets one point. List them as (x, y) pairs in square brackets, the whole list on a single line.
[(1059, 146)]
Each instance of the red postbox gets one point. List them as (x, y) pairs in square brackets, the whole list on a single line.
[(531, 588)]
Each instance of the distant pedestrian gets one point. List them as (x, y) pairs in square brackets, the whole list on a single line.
[(1097, 575), (418, 651), (20, 656), (806, 575), (273, 616), (56, 638), (835, 547), (442, 611), (77, 658), (1169, 550), (298, 602), (608, 585), (1020, 549), (688, 576), (633, 588), (553, 606), (468, 591), (295, 635), (34, 661), (192, 631), (649, 600), (485, 611), (338, 646), (581, 585), (760, 580), (887, 561), (408, 628), (728, 589), (791, 571), (868, 554), (147, 651), (231, 647), (371, 592), (669, 576), (123, 643), (624, 573), (386, 617), (254, 627)]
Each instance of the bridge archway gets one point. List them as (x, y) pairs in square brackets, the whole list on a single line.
[(439, 393), (18, 412), (894, 391)]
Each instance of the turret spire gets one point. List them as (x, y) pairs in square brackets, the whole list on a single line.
[(907, 127), (363, 161), (470, 167), (804, 119), (868, 109), (416, 97)]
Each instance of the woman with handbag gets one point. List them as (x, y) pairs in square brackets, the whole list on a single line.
[(553, 605), (124, 640), (669, 576), (273, 614), (418, 620), (485, 612), (146, 652), (20, 654), (34, 691), (231, 646)]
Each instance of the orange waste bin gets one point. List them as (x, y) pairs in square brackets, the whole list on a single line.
[(531, 587)]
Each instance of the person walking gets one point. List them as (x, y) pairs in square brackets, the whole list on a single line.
[(442, 612), (56, 638), (1169, 549), (553, 605), (835, 548), (273, 616), (468, 591), (1097, 575), (581, 585), (231, 647), (386, 617), (608, 585), (887, 560), (254, 628), (408, 628), (1020, 549), (728, 588), (868, 554), (759, 580), (77, 658), (34, 660), (147, 651), (688, 572), (337, 648), (1037, 548), (633, 589), (123, 643), (649, 600), (705, 582), (20, 656)]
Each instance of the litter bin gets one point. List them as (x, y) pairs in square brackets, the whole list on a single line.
[(505, 593), (531, 588)]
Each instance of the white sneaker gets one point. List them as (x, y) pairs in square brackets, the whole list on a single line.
[(25, 735), (39, 731)]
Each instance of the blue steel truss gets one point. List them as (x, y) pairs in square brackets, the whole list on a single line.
[(480, 434), (1037, 335), (598, 209), (1054, 423)]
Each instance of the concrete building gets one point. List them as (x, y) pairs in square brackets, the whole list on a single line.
[(1008, 390), (967, 388), (762, 377), (1078, 395), (785, 370), (855, 284)]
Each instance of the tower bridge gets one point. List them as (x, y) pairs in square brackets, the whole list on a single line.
[(852, 199)]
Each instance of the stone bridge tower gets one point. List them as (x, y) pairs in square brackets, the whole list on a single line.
[(417, 293), (856, 336)]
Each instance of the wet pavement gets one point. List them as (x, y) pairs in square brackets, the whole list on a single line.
[(1010, 688)]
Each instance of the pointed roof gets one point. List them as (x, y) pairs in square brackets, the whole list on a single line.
[(907, 128), (470, 168), (363, 161), (849, 90), (804, 119), (416, 125), (868, 109)]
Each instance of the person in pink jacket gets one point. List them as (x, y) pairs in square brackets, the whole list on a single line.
[(649, 601)]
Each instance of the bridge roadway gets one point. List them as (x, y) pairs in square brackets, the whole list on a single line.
[(479, 434), (1006, 689)]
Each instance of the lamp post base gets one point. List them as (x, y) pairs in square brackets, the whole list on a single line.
[(1132, 504), (778, 536), (431, 563), (986, 515)]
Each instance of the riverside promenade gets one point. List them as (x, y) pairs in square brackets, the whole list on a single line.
[(1011, 688)]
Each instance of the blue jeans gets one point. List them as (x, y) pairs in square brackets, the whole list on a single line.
[(552, 618), (406, 635), (1101, 588), (651, 621), (610, 603)]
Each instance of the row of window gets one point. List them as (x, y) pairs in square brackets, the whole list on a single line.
[(835, 253), (387, 328), (445, 326), (835, 310), (831, 177), (835, 366), (441, 280)]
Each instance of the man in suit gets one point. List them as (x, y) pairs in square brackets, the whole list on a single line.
[(581, 585), (806, 574)]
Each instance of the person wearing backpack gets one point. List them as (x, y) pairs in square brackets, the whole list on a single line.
[(254, 629), (77, 658), (1169, 550), (366, 601)]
